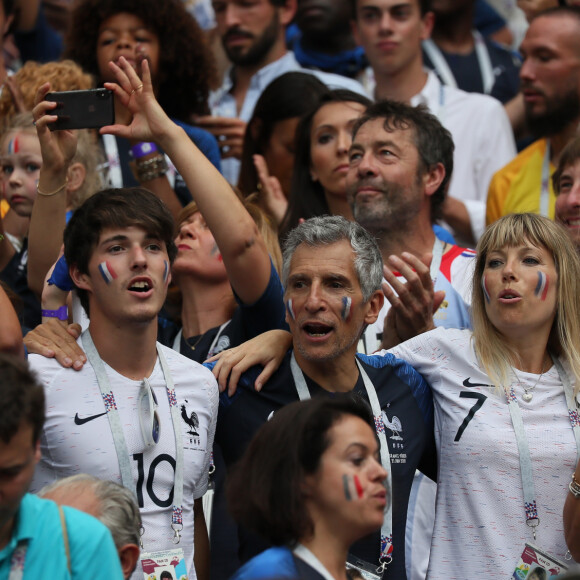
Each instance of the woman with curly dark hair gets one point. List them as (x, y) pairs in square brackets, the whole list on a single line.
[(182, 66)]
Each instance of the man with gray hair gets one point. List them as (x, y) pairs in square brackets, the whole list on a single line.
[(332, 274), (112, 504)]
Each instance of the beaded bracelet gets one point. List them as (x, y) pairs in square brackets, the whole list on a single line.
[(150, 168)]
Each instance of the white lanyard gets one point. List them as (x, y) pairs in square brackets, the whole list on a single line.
[(444, 71), (307, 556), (386, 556), (438, 246), (119, 437), (114, 163), (545, 191), (17, 561), (530, 504)]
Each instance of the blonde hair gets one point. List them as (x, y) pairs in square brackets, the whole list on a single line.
[(65, 75), (564, 341), (88, 154)]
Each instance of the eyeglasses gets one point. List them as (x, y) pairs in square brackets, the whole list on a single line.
[(148, 416)]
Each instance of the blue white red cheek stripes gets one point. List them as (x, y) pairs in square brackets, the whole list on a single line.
[(290, 309), (352, 487), (13, 146), (107, 272), (542, 286), (485, 292), (166, 271), (346, 304)]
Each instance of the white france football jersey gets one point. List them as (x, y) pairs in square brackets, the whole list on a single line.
[(77, 439), (480, 521)]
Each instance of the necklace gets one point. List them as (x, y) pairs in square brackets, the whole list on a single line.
[(528, 391), (192, 346)]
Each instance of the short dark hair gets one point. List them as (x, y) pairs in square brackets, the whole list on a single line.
[(290, 95), (21, 398), (569, 156), (165, 575), (183, 51), (115, 208), (424, 7), (265, 492), (561, 10), (307, 196), (434, 143)]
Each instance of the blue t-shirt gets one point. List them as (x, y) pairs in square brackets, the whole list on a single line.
[(92, 551)]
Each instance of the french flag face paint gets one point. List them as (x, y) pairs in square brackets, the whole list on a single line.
[(215, 251), (352, 487), (290, 309), (107, 272), (13, 145), (484, 286), (542, 286), (166, 271), (346, 304)]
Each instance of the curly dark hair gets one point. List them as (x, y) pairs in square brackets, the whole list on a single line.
[(186, 64)]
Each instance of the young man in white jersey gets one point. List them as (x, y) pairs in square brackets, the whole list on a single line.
[(138, 413)]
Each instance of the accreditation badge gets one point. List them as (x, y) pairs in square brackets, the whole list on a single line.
[(536, 564), (365, 569), (170, 563)]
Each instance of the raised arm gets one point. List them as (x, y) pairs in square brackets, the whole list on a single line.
[(242, 248), (48, 218)]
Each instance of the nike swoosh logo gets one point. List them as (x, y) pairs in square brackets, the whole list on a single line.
[(79, 421), (467, 383)]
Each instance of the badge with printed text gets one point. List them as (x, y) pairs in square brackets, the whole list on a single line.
[(164, 565), (537, 565), (361, 569)]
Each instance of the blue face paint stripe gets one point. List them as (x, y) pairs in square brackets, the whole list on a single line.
[(290, 308), (345, 483), (346, 304)]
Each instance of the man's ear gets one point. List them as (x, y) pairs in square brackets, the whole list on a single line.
[(82, 281), (287, 12), (374, 306), (427, 23), (433, 178), (129, 556)]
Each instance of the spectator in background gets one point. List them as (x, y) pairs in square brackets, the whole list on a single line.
[(36, 536), (269, 142), (323, 138), (253, 35), (182, 69), (550, 83), (478, 124), (321, 38), (463, 58), (112, 504)]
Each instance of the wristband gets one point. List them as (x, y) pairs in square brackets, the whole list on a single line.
[(142, 149), (61, 313), (150, 168)]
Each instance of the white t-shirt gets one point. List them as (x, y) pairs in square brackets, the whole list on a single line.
[(480, 521), (77, 438)]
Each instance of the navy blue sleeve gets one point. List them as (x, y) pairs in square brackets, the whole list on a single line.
[(268, 312), (418, 385), (205, 142)]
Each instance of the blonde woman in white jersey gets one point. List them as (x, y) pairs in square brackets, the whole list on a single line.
[(505, 407)]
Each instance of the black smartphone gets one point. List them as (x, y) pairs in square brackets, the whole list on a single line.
[(89, 109)]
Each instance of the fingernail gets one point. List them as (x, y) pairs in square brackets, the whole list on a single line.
[(68, 362)]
